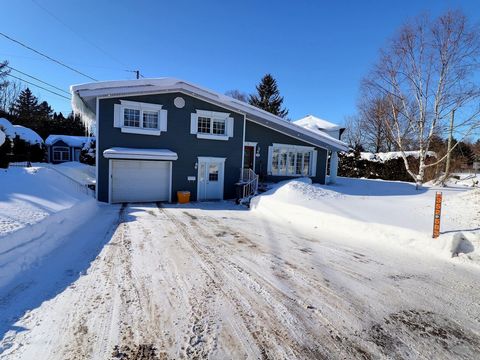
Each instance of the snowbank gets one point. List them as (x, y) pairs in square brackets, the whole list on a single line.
[(392, 155), (22, 132), (26, 247), (38, 209), (29, 195), (309, 206), (82, 173)]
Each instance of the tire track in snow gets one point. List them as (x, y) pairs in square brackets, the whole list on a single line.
[(290, 314)]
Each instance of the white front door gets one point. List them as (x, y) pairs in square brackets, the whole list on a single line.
[(210, 178)]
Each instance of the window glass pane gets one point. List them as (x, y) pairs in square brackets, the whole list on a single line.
[(282, 167), (275, 161), (150, 119), (306, 164), (213, 172), (299, 163), (203, 125), (218, 127), (291, 163), (131, 117), (201, 173)]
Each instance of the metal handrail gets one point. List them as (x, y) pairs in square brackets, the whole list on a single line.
[(249, 182)]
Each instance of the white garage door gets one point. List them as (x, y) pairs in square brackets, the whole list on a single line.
[(140, 181)]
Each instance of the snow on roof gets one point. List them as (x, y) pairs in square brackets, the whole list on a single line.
[(146, 154), (73, 141), (84, 101), (315, 123), (22, 132)]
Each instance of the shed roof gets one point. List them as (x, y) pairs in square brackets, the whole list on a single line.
[(70, 140)]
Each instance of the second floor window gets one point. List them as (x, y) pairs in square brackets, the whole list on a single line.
[(140, 118), (212, 126), (131, 117)]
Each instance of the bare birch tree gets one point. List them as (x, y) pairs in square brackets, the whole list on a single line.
[(426, 72)]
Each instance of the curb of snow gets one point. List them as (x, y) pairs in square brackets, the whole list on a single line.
[(26, 247), (285, 209)]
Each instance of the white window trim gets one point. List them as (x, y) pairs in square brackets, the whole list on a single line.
[(212, 115), (295, 149), (140, 106), (65, 149)]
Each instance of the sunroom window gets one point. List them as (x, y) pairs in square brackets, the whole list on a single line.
[(291, 160)]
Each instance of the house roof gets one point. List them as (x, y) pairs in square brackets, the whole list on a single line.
[(311, 121), (73, 141), (84, 101)]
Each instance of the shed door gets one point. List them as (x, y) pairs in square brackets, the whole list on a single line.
[(140, 181)]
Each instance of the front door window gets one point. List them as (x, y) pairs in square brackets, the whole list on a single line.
[(210, 178)]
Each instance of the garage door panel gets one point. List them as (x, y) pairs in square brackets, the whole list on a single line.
[(140, 180)]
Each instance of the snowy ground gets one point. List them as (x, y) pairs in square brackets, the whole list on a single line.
[(29, 195), (339, 272)]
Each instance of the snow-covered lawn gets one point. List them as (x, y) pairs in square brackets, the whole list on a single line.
[(348, 271), (29, 195)]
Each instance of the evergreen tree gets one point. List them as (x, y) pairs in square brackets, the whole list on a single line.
[(268, 97), (4, 71), (26, 110)]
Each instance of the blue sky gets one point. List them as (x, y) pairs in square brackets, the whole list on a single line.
[(317, 50)]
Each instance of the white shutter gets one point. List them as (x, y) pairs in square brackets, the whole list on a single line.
[(230, 127), (193, 124), (314, 163), (269, 161), (117, 116), (162, 114)]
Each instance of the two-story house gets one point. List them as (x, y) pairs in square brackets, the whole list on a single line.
[(159, 136)]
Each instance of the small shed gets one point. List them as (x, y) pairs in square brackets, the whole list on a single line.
[(62, 148)]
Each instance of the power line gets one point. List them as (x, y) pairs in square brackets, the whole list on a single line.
[(46, 56), (41, 87), (35, 78), (76, 33)]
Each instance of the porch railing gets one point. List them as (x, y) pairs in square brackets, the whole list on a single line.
[(249, 183)]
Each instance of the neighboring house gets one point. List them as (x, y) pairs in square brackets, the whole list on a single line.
[(316, 124), (61, 148), (158, 136)]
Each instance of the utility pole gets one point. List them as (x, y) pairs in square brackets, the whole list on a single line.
[(137, 73)]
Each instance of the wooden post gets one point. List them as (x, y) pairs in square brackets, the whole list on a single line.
[(436, 215)]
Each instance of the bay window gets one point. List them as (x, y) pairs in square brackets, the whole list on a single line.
[(291, 160)]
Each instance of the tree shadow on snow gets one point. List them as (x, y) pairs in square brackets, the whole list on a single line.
[(60, 269)]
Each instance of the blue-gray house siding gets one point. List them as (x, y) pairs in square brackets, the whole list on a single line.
[(177, 138), (265, 137)]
